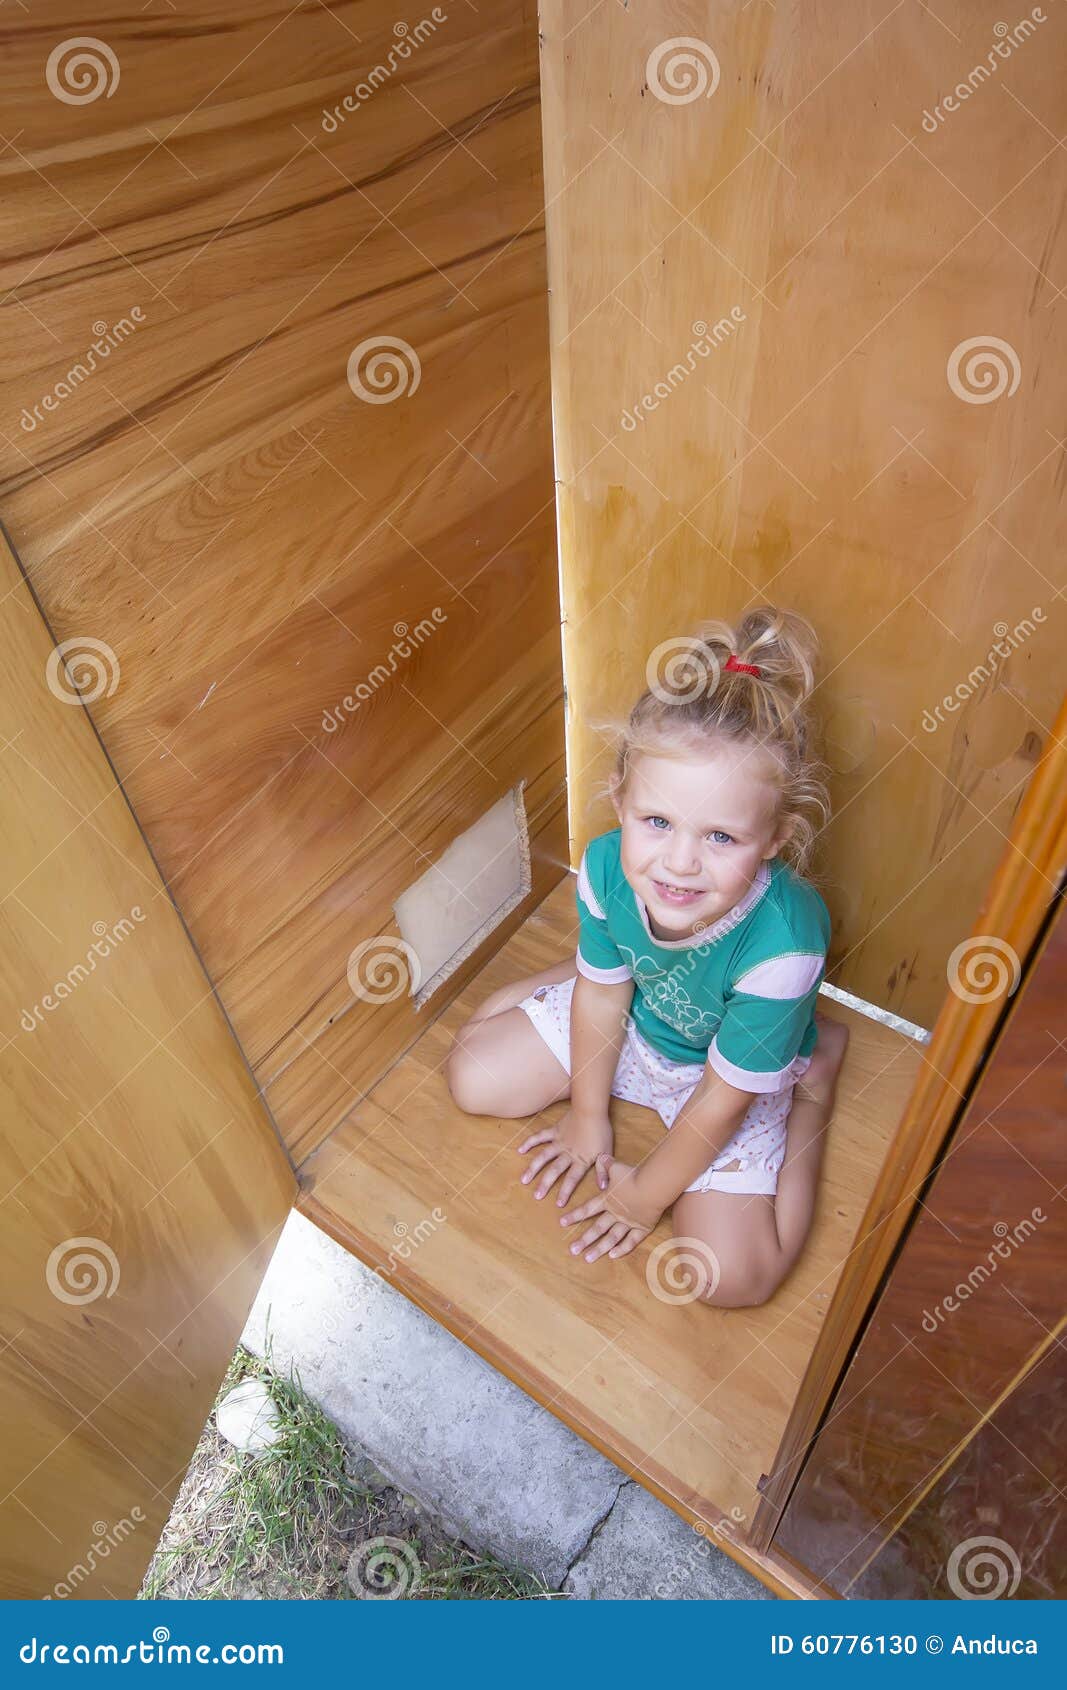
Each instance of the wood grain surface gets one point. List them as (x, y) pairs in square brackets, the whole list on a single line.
[(142, 1184), (315, 465), (813, 450)]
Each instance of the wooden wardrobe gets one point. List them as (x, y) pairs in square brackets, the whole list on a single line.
[(377, 400)]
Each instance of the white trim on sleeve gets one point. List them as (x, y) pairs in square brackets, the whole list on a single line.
[(605, 976), (586, 893), (746, 1079)]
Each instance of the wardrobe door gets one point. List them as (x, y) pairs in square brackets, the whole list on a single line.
[(142, 1183), (938, 1469), (993, 1524)]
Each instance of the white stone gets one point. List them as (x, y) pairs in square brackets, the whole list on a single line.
[(248, 1418)]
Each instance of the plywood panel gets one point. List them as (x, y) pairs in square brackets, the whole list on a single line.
[(764, 269), (690, 1400), (260, 520), (142, 1183)]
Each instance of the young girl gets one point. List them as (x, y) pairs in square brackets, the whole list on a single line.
[(701, 948)]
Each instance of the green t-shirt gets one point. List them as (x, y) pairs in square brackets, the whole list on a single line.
[(740, 995)]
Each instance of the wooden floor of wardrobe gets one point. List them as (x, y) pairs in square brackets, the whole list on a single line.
[(690, 1401)]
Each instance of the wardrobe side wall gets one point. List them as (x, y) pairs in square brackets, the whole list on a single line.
[(297, 510)]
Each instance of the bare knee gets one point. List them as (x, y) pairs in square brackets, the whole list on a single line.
[(465, 1079), (727, 1277), (742, 1287), (484, 1077)]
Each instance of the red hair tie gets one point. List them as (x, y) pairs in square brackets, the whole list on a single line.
[(741, 668)]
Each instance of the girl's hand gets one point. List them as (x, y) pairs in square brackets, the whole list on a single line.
[(620, 1216), (569, 1148)]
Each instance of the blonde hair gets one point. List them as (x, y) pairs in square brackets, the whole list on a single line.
[(698, 701)]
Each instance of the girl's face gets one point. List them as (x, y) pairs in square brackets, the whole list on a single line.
[(694, 833)]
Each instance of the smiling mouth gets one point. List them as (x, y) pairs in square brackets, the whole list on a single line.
[(677, 894)]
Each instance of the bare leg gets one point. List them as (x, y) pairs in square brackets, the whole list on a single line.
[(809, 1117), (502, 1066), (752, 1242), (499, 1064)]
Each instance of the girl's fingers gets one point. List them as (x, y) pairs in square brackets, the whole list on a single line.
[(552, 1173), (544, 1155), (630, 1242), (572, 1179), (537, 1138), (583, 1211), (610, 1238), (602, 1224)]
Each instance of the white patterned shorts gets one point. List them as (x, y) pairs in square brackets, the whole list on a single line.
[(644, 1076)]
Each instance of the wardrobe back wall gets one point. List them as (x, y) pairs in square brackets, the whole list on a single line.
[(804, 335)]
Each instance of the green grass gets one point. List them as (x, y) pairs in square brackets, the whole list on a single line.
[(283, 1522)]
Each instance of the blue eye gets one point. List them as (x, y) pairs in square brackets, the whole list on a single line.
[(717, 833)]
